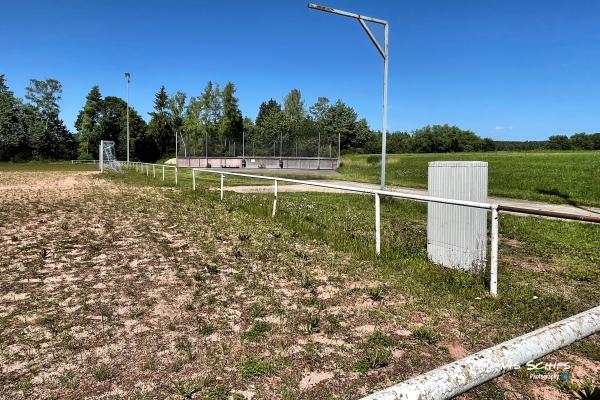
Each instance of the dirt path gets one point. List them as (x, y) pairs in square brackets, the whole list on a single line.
[(537, 205)]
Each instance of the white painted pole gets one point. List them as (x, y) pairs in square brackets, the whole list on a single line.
[(176, 176), (377, 225), (153, 171), (147, 170), (275, 200), (221, 186), (101, 157), (494, 254), (450, 380)]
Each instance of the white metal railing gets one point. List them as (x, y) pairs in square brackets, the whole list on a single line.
[(141, 166), (377, 193)]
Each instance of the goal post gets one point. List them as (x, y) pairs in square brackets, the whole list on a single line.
[(107, 157)]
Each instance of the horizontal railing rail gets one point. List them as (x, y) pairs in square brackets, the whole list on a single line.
[(455, 378)]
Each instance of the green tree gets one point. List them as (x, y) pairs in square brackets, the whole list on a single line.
[(318, 110), (270, 124), (86, 124), (559, 142), (339, 121), (582, 141), (160, 128), (14, 139), (49, 136), (210, 116), (398, 142), (231, 124), (193, 127), (177, 110)]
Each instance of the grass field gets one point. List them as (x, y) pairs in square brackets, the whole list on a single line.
[(123, 286), (559, 177)]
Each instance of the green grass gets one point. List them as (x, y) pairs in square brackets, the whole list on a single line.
[(46, 166), (557, 177)]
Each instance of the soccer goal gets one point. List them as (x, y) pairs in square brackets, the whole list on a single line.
[(108, 157)]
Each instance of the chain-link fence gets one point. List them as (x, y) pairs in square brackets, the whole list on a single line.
[(311, 147)]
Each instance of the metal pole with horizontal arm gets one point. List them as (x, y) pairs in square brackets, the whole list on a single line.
[(383, 51)]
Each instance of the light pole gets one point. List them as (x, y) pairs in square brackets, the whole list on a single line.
[(128, 77), (384, 54)]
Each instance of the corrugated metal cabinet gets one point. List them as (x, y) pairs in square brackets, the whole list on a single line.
[(457, 235)]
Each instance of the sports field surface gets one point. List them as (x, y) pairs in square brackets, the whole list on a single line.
[(126, 287), (555, 177)]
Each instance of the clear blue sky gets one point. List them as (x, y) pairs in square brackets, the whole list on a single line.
[(505, 69)]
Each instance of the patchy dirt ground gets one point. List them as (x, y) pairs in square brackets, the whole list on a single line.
[(116, 291)]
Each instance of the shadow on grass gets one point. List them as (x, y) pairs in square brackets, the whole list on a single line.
[(566, 198)]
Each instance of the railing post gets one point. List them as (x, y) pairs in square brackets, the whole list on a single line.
[(494, 254), (377, 225), (193, 179), (163, 173), (221, 186), (176, 176), (275, 200)]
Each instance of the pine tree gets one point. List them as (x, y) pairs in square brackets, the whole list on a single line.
[(160, 128), (87, 123)]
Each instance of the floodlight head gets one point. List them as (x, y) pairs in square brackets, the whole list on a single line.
[(320, 8)]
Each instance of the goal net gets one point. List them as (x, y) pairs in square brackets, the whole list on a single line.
[(108, 157)]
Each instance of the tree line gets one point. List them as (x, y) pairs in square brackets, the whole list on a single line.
[(212, 123), (32, 128)]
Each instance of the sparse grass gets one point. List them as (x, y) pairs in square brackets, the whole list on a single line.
[(252, 368), (373, 358), (426, 334), (257, 330), (102, 372)]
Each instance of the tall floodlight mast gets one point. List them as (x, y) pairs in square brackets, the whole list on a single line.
[(383, 51), (128, 77)]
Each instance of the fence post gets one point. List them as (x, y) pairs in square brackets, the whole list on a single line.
[(153, 171), (494, 254), (193, 179), (275, 200), (147, 170), (176, 176), (163, 173), (377, 225), (221, 186)]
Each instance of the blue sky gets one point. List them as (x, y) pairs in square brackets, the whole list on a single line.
[(506, 69)]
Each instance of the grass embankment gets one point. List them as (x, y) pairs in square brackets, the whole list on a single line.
[(129, 284), (556, 177)]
